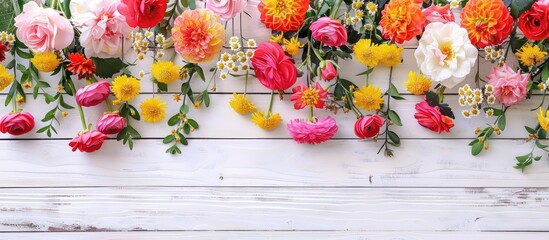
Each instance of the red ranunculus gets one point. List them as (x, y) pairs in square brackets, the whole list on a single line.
[(143, 13), (111, 123), (4, 48), (431, 118), (368, 126), (93, 94), (17, 123), (534, 23), (88, 141), (273, 68)]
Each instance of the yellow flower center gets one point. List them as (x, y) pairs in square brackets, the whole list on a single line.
[(310, 97), (446, 49)]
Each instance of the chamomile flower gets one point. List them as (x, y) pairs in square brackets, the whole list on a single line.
[(488, 89), (489, 112), (148, 34), (10, 38), (466, 114), (461, 101), (454, 4), (233, 39), (220, 65), (474, 111), (229, 64), (249, 53), (491, 99), (223, 75), (251, 43), (372, 8), (159, 38), (141, 74), (235, 46)]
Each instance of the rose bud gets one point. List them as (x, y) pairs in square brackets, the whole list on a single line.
[(111, 123), (93, 94), (17, 123), (88, 141), (329, 72), (368, 126)]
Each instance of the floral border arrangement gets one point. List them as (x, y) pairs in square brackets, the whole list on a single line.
[(85, 40)]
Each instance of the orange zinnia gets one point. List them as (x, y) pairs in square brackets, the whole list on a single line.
[(402, 20), (283, 15), (488, 22)]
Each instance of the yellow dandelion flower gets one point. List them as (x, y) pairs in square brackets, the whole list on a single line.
[(266, 122), (530, 55), (292, 46), (543, 119), (366, 53), (46, 62), (165, 72), (368, 97), (125, 88), (153, 110), (5, 78), (276, 38), (391, 54), (240, 104), (417, 83)]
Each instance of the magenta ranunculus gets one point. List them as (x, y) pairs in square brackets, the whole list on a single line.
[(435, 13), (111, 123), (368, 126), (273, 68), (431, 118), (329, 72), (93, 94), (510, 87), (43, 29), (88, 141), (329, 31), (17, 123), (226, 9), (322, 130), (143, 13)]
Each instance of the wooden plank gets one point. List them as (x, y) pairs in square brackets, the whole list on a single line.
[(286, 209), (417, 163), (275, 235)]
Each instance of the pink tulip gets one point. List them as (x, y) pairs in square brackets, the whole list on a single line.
[(111, 123), (93, 94), (329, 72)]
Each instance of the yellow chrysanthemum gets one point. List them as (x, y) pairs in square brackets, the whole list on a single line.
[(46, 62), (165, 72), (277, 38), (530, 55), (125, 88), (417, 83), (153, 110), (266, 122), (543, 119), (390, 54), (5, 78), (368, 98), (241, 104), (366, 53), (292, 46)]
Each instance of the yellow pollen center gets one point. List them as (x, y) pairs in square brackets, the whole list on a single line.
[(310, 97), (446, 49)]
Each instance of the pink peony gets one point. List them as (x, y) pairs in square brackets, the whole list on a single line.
[(43, 29), (111, 123), (17, 123), (88, 141), (322, 130), (226, 9), (329, 31), (368, 126), (435, 13), (309, 96), (431, 118), (329, 72), (273, 68), (143, 13), (510, 87), (93, 94)]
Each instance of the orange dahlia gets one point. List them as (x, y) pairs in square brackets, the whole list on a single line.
[(402, 20), (488, 22), (81, 66), (283, 15), (198, 35)]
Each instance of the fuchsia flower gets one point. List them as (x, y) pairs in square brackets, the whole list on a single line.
[(88, 141), (17, 123), (93, 94), (273, 68), (226, 9), (309, 96), (143, 13), (435, 13), (329, 31), (319, 131), (368, 126), (510, 87), (329, 72), (431, 118), (111, 123)]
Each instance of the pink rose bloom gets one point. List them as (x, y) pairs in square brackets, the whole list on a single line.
[(509, 86), (329, 31), (93, 94), (431, 118), (17, 123), (305, 96), (438, 14), (43, 29), (88, 141), (273, 68), (322, 130), (368, 126), (329, 72), (111, 123), (226, 9)]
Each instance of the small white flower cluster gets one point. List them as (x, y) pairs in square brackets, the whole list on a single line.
[(8, 37), (358, 9), (142, 41), (455, 4), (238, 60), (494, 55), (474, 97)]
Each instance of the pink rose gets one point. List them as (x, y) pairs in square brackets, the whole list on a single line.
[(329, 31), (329, 72), (143, 13), (43, 29), (322, 130), (88, 141), (273, 68), (510, 87), (17, 123), (111, 123), (368, 126), (438, 14), (226, 9), (93, 94), (431, 118)]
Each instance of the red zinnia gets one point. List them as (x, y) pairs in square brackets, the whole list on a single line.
[(81, 66), (3, 50)]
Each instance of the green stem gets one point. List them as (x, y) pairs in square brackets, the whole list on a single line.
[(334, 11), (367, 79), (514, 32), (80, 110), (246, 83), (271, 103), (109, 104), (312, 114)]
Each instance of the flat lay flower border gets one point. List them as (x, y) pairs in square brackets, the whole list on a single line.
[(87, 41)]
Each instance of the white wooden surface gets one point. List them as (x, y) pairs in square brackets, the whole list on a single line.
[(235, 181)]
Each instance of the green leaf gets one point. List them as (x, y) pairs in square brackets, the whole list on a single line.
[(206, 98), (11, 93), (107, 67), (341, 87), (520, 6), (530, 130), (7, 15), (66, 8), (163, 87), (502, 122), (184, 109), (49, 98), (541, 145), (394, 138), (365, 72), (200, 72), (134, 113), (192, 4), (193, 123), (63, 103), (431, 98), (393, 92), (183, 139), (545, 73), (168, 139), (132, 132), (542, 134), (173, 120), (477, 148), (185, 88), (523, 158), (49, 115), (173, 150), (23, 54), (43, 129), (393, 116)]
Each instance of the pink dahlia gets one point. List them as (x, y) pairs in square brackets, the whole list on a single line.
[(309, 96), (319, 131), (510, 87)]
